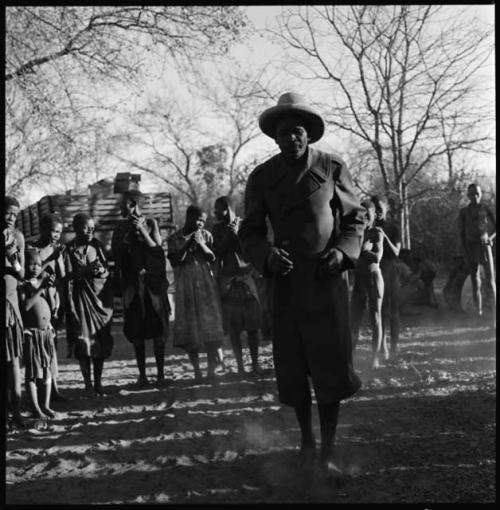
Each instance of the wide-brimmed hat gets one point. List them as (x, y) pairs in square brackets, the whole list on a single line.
[(291, 103)]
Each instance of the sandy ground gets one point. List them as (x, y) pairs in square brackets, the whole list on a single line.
[(420, 430)]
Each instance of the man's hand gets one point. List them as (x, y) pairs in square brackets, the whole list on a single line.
[(485, 239), (198, 238), (331, 262), (278, 261)]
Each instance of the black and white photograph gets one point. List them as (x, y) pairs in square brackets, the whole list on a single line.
[(250, 254)]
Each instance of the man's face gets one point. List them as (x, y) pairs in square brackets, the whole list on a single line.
[(292, 137), (11, 213), (474, 194), (369, 216)]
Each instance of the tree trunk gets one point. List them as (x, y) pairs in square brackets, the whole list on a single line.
[(404, 218)]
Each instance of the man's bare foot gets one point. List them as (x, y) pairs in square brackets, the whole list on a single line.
[(307, 452), (40, 415), (163, 382)]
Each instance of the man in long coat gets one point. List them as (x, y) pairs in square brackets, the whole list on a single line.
[(318, 225)]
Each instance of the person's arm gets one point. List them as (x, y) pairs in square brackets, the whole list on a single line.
[(347, 247), (253, 228), (28, 302), (393, 245), (176, 251), (493, 235), (375, 254), (204, 241)]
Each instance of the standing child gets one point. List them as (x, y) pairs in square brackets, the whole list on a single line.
[(240, 299), (88, 302), (475, 221), (392, 245), (140, 269), (198, 317), (51, 251), (13, 272), (39, 348), (368, 282)]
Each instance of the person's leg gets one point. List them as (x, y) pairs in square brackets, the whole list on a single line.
[(14, 380), (475, 278), (159, 352), (46, 386), (328, 419), (31, 386), (98, 364), (358, 303), (253, 347), (304, 417), (194, 357), (489, 272), (85, 369), (377, 334), (394, 310), (140, 356), (235, 337)]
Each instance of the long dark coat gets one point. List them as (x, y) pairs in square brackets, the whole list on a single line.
[(310, 210)]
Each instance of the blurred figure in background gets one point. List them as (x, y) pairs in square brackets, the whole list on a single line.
[(238, 290), (88, 301), (198, 314), (369, 284), (392, 245), (477, 229), (14, 335), (140, 269), (52, 252)]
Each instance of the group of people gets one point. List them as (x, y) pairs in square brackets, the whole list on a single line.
[(303, 229)]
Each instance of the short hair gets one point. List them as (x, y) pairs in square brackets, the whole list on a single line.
[(193, 211), (11, 201), (473, 185), (380, 202), (134, 195), (226, 201), (32, 253), (80, 219), (368, 204), (47, 221)]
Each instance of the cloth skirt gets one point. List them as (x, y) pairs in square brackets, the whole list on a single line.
[(39, 352)]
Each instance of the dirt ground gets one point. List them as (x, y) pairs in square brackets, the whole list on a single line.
[(421, 430)]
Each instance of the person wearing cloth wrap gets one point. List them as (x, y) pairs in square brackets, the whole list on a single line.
[(88, 302), (14, 339), (475, 221), (140, 268), (239, 295), (318, 226)]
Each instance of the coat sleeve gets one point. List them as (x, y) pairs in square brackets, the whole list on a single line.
[(253, 228), (351, 217)]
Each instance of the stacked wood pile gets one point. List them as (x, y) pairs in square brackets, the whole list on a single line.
[(102, 202)]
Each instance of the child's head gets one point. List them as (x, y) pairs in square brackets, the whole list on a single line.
[(381, 208), (132, 200), (369, 212), (12, 208), (84, 227), (51, 228), (222, 207), (33, 263), (474, 193), (195, 218)]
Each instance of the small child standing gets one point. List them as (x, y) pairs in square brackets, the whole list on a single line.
[(39, 348), (368, 282), (198, 315)]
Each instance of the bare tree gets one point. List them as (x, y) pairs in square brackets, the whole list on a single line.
[(70, 71), (396, 75)]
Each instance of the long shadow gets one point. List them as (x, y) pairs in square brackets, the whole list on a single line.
[(385, 469)]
